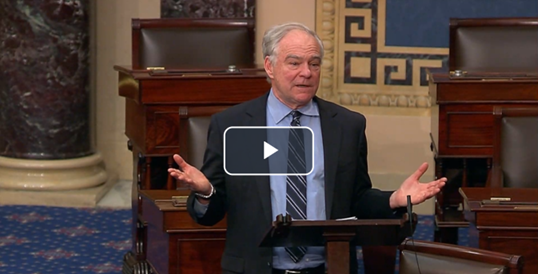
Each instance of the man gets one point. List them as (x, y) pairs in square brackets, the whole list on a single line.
[(338, 187)]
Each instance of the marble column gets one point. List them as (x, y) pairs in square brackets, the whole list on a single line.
[(207, 8), (45, 97)]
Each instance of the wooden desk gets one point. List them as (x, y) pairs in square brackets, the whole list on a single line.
[(462, 136), (508, 228), (158, 107), (174, 242), (158, 104)]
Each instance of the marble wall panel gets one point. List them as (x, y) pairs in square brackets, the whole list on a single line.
[(44, 80), (207, 8)]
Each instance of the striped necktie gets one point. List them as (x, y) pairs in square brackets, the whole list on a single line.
[(296, 185)]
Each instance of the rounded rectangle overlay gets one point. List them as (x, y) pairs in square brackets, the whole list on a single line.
[(263, 150)]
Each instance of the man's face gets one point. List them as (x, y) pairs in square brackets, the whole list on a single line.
[(295, 72)]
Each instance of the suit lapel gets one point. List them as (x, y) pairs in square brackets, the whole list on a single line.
[(330, 132), (257, 116)]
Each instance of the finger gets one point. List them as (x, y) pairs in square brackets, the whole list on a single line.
[(180, 162), (178, 174), (420, 171), (436, 188), (436, 185), (430, 191), (175, 174), (183, 178)]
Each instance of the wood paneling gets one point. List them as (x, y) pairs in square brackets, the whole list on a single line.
[(510, 228), (462, 135), (175, 243), (157, 112)]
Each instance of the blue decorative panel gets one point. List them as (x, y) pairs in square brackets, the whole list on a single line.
[(424, 23), (378, 51)]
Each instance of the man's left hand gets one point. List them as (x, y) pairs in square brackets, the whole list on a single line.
[(418, 191)]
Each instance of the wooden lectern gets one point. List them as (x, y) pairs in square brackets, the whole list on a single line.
[(504, 220), (336, 236)]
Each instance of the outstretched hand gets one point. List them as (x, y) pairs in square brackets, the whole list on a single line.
[(418, 191), (190, 176)]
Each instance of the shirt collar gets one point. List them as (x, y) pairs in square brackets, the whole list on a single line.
[(279, 111)]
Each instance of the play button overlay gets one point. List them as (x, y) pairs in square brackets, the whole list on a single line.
[(263, 151), (268, 150)]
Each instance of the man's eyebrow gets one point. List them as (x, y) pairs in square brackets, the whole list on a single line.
[(293, 56)]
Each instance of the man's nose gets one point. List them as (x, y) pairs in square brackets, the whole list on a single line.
[(306, 70)]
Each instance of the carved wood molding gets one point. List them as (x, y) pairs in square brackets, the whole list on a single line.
[(325, 27)]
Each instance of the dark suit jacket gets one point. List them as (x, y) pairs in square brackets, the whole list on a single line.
[(247, 201)]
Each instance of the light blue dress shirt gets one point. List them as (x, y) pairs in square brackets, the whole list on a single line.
[(278, 114)]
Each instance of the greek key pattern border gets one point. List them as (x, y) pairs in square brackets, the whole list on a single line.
[(359, 69)]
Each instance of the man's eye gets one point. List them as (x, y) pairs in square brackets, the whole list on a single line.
[(294, 63)]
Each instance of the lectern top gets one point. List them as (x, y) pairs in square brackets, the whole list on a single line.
[(358, 232)]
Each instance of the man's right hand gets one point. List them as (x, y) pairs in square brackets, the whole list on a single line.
[(192, 177)]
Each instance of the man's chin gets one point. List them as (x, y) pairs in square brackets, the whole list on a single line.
[(305, 91), (304, 99)]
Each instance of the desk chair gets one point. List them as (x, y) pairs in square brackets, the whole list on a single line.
[(199, 43), (195, 45), (193, 129), (515, 148), (494, 44), (196, 134), (441, 258)]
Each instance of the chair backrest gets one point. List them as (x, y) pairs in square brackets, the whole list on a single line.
[(515, 147), (197, 140), (494, 44), (193, 129), (192, 43), (441, 258)]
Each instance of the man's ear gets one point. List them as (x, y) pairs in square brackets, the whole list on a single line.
[(268, 67)]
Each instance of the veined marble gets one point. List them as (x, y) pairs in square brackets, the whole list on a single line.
[(207, 8), (44, 80)]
